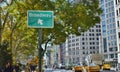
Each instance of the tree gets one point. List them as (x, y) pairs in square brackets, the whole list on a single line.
[(4, 47), (17, 35), (5, 54), (69, 18)]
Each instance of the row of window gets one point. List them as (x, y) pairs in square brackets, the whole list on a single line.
[(91, 43), (113, 31), (111, 26), (113, 49), (112, 37), (111, 20), (90, 48), (110, 56), (112, 43), (90, 38), (110, 3), (84, 43), (90, 52), (109, 15), (85, 38), (90, 34), (87, 52), (84, 48)]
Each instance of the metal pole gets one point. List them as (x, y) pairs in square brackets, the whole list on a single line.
[(40, 50), (0, 26)]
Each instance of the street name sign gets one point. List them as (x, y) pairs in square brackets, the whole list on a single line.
[(40, 19)]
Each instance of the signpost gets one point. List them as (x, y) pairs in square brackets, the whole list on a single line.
[(40, 19)]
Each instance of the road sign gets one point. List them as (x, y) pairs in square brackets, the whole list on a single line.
[(40, 19)]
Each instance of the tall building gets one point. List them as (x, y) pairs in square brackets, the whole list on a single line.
[(109, 30), (117, 13), (77, 47), (102, 38)]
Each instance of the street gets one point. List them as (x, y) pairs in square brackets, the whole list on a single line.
[(62, 70), (108, 71), (58, 70)]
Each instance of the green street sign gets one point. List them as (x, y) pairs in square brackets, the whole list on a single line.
[(40, 19)]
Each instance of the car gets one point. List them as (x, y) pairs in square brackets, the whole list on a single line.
[(92, 67), (106, 66), (78, 68)]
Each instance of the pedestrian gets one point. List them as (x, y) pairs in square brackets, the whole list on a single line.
[(27, 68), (17, 68), (8, 67), (0, 69)]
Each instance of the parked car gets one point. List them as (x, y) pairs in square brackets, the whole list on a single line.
[(106, 66), (92, 68), (78, 68)]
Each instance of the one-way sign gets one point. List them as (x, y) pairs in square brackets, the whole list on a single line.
[(40, 19)]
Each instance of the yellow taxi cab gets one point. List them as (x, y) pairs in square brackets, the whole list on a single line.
[(106, 66), (92, 68), (78, 68)]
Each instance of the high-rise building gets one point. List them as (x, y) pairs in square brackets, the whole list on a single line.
[(77, 47), (117, 13), (102, 38), (109, 30)]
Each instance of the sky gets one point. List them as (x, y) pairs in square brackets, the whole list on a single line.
[(3, 3)]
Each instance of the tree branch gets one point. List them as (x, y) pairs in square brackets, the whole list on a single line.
[(5, 20)]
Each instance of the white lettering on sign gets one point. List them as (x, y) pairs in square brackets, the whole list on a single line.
[(39, 15)]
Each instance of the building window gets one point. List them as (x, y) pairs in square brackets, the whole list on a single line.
[(111, 55), (97, 38), (77, 44), (89, 38), (77, 39), (116, 2), (118, 23), (83, 52), (83, 43), (105, 56), (73, 44), (83, 47), (117, 12), (90, 47), (93, 52), (89, 34), (73, 40), (116, 55), (82, 38), (110, 49), (119, 35)]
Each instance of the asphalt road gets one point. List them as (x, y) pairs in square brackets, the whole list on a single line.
[(63, 70), (109, 71)]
